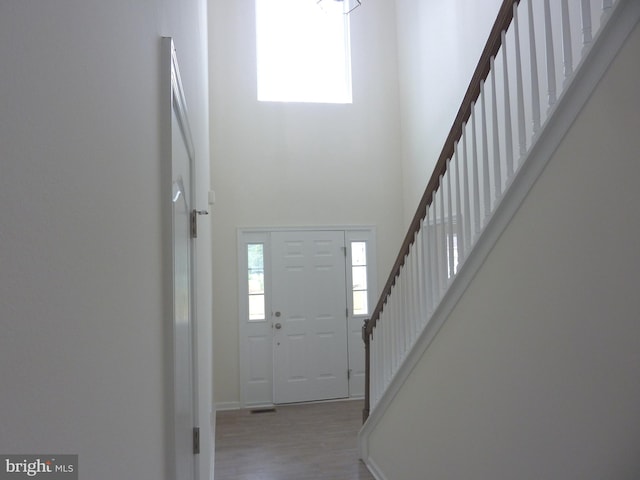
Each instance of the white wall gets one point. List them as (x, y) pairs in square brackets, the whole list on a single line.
[(298, 164), (535, 373), (82, 362), (439, 45)]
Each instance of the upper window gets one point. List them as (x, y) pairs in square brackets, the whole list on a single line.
[(303, 52)]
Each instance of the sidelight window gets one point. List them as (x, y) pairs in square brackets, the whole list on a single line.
[(255, 263), (359, 278)]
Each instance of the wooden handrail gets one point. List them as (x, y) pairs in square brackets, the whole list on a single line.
[(503, 20)]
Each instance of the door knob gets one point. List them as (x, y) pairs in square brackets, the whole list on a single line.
[(277, 314), (278, 326)]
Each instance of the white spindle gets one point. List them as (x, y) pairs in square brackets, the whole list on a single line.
[(567, 52), (459, 228), (466, 193), (476, 174), (551, 62), (411, 294), (486, 188), (397, 322), (393, 332), (420, 287), (606, 7), (452, 265), (497, 167), (384, 344), (443, 240), (586, 22), (428, 269), (373, 370), (436, 251), (535, 88), (402, 315), (408, 309), (508, 135), (417, 292), (386, 324), (522, 138)]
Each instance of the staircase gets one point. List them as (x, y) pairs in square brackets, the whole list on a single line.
[(452, 388)]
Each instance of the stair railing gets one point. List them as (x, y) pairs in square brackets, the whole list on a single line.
[(533, 44)]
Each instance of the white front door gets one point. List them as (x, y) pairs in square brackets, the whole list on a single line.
[(309, 316)]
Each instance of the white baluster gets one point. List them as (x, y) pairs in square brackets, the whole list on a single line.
[(390, 325), (394, 327), (586, 22), (522, 139), (373, 371), (402, 316), (385, 359), (408, 297), (443, 240), (415, 280), (535, 88), (497, 174), (466, 192), (567, 53), (476, 175), (436, 256), (419, 276), (388, 356), (551, 61), (606, 9), (486, 188), (450, 231), (507, 111), (459, 226), (426, 271)]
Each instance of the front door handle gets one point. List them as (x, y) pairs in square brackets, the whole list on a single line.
[(278, 326)]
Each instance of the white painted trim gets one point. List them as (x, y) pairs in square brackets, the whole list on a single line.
[(223, 406), (605, 46), (375, 470)]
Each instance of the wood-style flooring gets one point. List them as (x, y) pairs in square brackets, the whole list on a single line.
[(296, 442)]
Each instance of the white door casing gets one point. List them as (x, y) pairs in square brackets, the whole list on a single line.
[(259, 337)]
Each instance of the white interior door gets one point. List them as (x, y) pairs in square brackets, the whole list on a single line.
[(183, 282), (309, 309)]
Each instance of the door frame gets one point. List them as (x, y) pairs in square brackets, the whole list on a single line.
[(258, 392)]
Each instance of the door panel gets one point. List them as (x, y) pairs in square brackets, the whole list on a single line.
[(309, 305)]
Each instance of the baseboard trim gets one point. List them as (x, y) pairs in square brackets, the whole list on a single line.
[(222, 406)]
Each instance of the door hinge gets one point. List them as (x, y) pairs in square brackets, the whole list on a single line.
[(196, 440), (346, 312), (194, 221), (349, 374)]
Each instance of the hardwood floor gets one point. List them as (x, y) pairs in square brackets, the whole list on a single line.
[(296, 442)]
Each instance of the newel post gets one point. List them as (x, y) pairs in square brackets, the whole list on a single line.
[(366, 337)]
